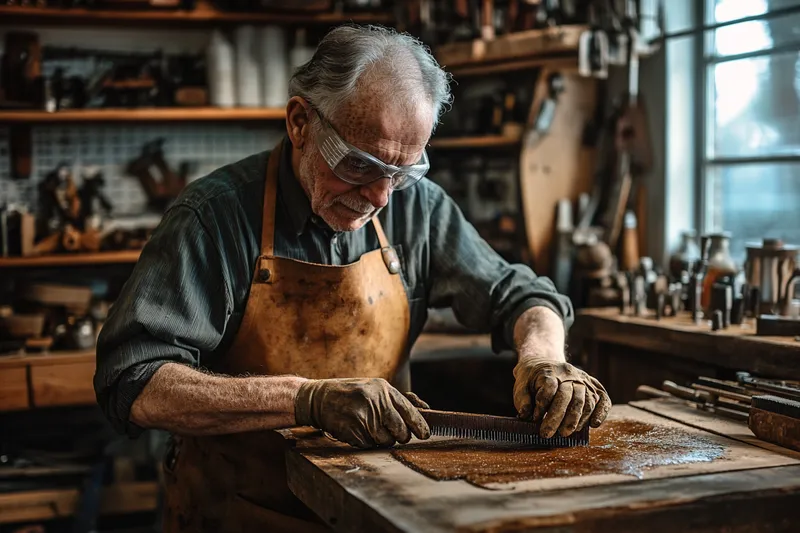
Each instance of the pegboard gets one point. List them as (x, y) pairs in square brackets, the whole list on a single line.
[(206, 147)]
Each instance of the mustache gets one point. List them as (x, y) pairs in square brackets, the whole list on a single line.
[(356, 203)]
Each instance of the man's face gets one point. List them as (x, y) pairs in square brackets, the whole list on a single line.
[(395, 134)]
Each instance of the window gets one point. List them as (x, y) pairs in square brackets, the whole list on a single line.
[(751, 164)]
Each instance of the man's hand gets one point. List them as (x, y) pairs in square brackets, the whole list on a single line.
[(361, 412), (561, 396)]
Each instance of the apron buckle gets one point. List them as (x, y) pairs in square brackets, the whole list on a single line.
[(390, 258), (266, 270)]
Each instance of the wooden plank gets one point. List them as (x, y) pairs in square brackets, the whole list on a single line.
[(735, 348), (63, 384), (100, 258), (42, 471), (690, 415), (184, 114), (121, 498), (356, 490), (14, 388), (46, 359), (486, 141), (569, 61), (557, 165), (203, 14), (512, 46)]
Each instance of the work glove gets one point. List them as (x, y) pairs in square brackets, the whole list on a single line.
[(559, 395), (362, 412)]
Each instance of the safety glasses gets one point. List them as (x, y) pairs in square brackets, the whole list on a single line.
[(360, 168)]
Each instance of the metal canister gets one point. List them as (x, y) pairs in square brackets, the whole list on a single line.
[(772, 267)]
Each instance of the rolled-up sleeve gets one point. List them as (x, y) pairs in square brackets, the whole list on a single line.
[(485, 292), (173, 308)]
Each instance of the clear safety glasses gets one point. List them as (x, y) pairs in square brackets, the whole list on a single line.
[(360, 168)]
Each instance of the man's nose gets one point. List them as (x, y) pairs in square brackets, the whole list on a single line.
[(377, 192)]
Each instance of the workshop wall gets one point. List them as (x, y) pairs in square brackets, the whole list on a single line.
[(204, 147), (110, 147)]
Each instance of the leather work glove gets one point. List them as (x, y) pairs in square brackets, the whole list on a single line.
[(363, 412), (564, 397)]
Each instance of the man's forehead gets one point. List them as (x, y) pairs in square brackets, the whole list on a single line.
[(392, 131)]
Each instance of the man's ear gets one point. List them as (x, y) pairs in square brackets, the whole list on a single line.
[(297, 118)]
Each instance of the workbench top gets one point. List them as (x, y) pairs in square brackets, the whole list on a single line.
[(752, 484), (734, 348)]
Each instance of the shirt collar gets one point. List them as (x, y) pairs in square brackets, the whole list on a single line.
[(292, 195)]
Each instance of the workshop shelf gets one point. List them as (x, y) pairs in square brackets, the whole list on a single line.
[(203, 15), (514, 51), (187, 114), (76, 259), (484, 141)]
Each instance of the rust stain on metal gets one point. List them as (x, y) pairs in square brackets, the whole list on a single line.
[(625, 447)]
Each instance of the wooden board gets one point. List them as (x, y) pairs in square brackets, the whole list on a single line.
[(356, 490), (513, 46), (63, 384), (13, 388), (485, 141), (46, 380), (557, 165), (159, 114), (203, 14), (735, 348), (35, 505)]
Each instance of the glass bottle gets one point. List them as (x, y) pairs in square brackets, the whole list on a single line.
[(684, 258), (720, 264)]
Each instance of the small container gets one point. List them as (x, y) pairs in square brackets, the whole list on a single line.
[(720, 264), (685, 257)]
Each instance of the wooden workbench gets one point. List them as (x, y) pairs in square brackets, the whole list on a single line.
[(754, 487), (624, 351)]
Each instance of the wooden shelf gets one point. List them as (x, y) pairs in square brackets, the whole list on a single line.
[(51, 504), (187, 114), (77, 259), (204, 14), (520, 50), (488, 141), (58, 357)]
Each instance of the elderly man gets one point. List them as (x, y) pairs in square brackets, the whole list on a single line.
[(287, 289)]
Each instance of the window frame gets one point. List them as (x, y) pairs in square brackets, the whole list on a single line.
[(704, 87)]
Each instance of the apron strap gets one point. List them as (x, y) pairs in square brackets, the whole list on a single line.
[(379, 231), (388, 252), (270, 193)]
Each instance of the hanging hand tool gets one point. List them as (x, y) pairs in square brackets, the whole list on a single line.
[(593, 49), (160, 182)]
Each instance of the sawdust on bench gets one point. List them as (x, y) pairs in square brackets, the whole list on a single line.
[(617, 447)]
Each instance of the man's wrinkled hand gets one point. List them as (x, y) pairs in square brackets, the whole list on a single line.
[(559, 395), (362, 412)]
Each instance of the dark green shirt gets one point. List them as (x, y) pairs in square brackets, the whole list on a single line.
[(187, 294)]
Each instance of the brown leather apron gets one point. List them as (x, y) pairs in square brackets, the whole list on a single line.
[(310, 320)]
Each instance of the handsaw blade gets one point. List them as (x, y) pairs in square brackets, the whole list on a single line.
[(497, 428)]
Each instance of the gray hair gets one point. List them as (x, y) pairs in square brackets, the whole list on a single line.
[(331, 77)]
